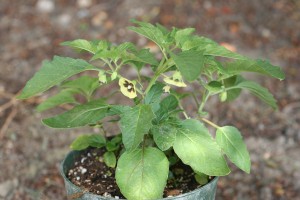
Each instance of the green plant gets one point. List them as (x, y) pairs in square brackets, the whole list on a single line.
[(153, 133)]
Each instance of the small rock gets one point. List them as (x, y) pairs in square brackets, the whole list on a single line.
[(83, 170), (99, 18), (84, 3), (7, 187), (46, 6)]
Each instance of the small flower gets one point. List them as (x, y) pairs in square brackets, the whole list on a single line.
[(167, 89), (176, 80), (102, 77), (127, 88)]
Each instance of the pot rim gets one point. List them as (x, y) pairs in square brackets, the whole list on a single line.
[(61, 169)]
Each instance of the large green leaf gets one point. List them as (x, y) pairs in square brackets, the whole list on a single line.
[(64, 96), (52, 73), (231, 142), (149, 31), (142, 174), (258, 91), (85, 141), (258, 66), (81, 115), (196, 148), (164, 135), (135, 124), (84, 84), (189, 63)]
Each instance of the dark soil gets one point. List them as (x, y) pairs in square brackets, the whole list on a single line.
[(91, 174)]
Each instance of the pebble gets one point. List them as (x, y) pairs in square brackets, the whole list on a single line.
[(46, 6), (83, 170), (77, 178), (83, 159), (84, 3), (7, 187)]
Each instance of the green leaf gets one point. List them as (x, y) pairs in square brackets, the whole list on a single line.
[(258, 91), (52, 73), (81, 115), (85, 141), (85, 84), (258, 66), (135, 124), (201, 178), (144, 56), (189, 63), (231, 142), (182, 35), (167, 106), (110, 159), (142, 174), (64, 96), (90, 46), (164, 135), (232, 94), (154, 95), (214, 86), (149, 31), (210, 48), (196, 148)]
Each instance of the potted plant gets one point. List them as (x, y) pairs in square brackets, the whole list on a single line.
[(157, 132)]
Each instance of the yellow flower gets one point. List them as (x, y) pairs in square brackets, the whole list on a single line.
[(176, 80), (127, 88)]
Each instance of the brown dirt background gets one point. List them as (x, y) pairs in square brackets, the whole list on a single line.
[(31, 30)]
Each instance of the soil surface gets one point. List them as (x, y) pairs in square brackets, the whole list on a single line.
[(31, 31), (92, 175)]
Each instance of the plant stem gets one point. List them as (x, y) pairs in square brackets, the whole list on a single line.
[(203, 102), (209, 122), (161, 68), (181, 107)]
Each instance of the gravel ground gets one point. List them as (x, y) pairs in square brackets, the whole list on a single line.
[(32, 30)]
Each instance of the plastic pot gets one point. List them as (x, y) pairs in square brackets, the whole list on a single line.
[(207, 192)]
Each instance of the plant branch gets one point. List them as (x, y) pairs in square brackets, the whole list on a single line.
[(209, 122)]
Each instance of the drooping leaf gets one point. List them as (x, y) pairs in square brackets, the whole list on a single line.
[(189, 63), (110, 159), (90, 46), (85, 84), (153, 96), (85, 141), (63, 97), (258, 66), (196, 148), (142, 174), (52, 73), (134, 124), (231, 142), (258, 91), (164, 135), (80, 115)]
